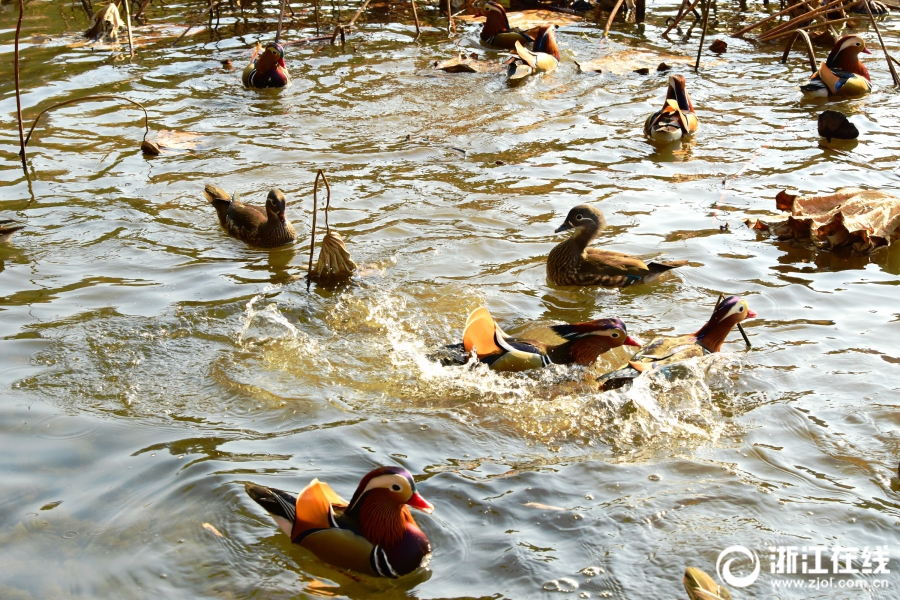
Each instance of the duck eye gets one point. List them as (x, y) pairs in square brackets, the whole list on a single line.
[(741, 308), (615, 335), (578, 217), (395, 487)]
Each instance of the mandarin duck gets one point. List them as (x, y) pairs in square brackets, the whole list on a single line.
[(700, 586), (265, 227), (373, 534), (496, 31), (676, 119), (7, 228), (566, 344), (877, 8), (266, 68), (544, 59), (573, 263), (842, 74), (664, 351)]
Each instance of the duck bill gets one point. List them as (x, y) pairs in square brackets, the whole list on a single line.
[(417, 501), (630, 341), (281, 63), (750, 313), (282, 218), (564, 227), (866, 51)]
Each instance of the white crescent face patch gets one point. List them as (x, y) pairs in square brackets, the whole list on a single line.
[(397, 484)]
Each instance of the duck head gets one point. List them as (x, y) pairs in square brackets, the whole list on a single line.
[(495, 20), (276, 205), (731, 311), (845, 55), (678, 92), (380, 504), (545, 41), (592, 338), (583, 218), (270, 58)]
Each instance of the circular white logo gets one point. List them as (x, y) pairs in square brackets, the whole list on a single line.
[(724, 570)]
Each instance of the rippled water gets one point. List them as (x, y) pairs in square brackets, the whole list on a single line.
[(136, 336)]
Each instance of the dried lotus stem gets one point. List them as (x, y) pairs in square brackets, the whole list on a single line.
[(312, 235), (22, 140), (612, 15), (83, 98), (809, 49), (334, 258)]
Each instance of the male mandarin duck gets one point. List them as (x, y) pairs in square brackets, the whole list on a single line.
[(676, 119), (373, 534), (578, 343), (266, 227), (573, 263), (266, 68), (7, 228), (544, 59), (496, 31), (842, 74), (664, 351)]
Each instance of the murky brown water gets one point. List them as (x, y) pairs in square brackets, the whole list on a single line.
[(150, 364)]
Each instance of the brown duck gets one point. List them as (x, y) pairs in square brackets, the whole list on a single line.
[(265, 227), (573, 263), (7, 228)]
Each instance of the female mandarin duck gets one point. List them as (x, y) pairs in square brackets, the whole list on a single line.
[(842, 74), (496, 31), (373, 534), (664, 351), (7, 228), (578, 343), (573, 263), (266, 227), (266, 68), (676, 119), (544, 59)]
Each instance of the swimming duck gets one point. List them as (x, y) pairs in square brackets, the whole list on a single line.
[(266, 227), (578, 343), (676, 119), (266, 68), (700, 586), (842, 74), (496, 31), (373, 534), (573, 263), (544, 59), (7, 228), (664, 351)]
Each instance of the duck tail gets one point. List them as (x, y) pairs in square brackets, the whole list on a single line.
[(219, 198), (281, 505), (662, 267)]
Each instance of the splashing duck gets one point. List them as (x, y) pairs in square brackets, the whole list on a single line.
[(265, 227), (577, 343), (573, 263), (374, 533), (7, 228), (676, 119), (842, 73), (496, 31), (664, 351), (544, 59), (266, 68)]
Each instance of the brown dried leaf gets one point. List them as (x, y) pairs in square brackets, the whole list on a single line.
[(784, 201)]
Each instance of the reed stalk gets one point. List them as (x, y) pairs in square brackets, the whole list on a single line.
[(22, 140), (612, 15)]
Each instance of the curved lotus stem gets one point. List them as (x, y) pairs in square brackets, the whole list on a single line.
[(809, 49), (334, 259), (73, 101)]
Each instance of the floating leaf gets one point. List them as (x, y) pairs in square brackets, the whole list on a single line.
[(852, 220)]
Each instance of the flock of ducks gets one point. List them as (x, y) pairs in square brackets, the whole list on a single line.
[(374, 533)]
